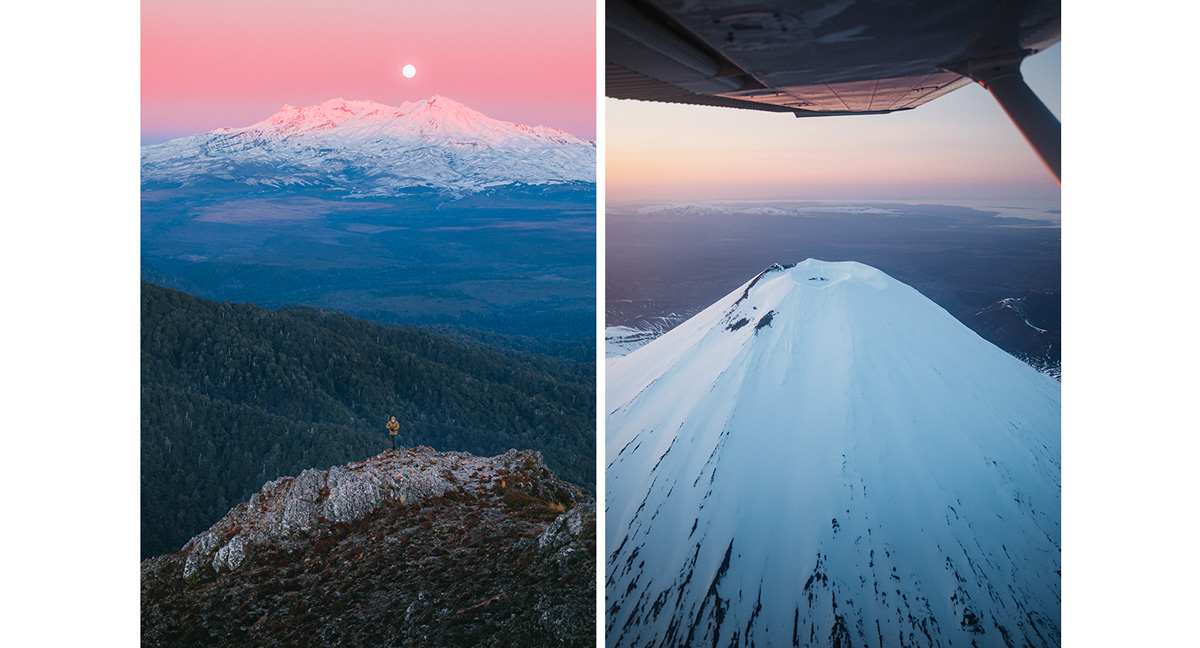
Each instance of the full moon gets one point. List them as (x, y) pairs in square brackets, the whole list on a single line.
[(409, 71)]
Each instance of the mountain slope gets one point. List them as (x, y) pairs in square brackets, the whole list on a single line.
[(411, 547), (365, 148), (825, 457), (234, 395)]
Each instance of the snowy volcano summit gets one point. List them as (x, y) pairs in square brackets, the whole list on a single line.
[(825, 457), (368, 148)]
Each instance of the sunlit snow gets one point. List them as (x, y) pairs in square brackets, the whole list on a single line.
[(826, 457), (369, 148)]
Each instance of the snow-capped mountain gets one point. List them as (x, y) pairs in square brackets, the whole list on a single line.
[(825, 457), (621, 340), (368, 148)]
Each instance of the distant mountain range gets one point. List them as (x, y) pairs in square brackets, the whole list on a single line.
[(825, 457), (365, 148)]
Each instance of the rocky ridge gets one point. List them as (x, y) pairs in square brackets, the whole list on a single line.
[(410, 547)]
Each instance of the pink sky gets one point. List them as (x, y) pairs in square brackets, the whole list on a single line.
[(222, 63), (961, 146)]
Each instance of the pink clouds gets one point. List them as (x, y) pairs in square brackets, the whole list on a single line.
[(221, 63)]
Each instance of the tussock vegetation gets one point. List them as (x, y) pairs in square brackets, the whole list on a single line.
[(447, 572)]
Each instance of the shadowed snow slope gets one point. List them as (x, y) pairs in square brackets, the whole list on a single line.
[(368, 148), (826, 457)]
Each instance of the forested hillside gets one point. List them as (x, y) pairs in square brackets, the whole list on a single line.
[(234, 395)]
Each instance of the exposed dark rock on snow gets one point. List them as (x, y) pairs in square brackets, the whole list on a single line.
[(856, 469)]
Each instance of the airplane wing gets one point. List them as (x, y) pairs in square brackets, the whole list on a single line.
[(832, 57)]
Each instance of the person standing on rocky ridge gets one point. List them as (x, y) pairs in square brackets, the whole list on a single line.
[(393, 428)]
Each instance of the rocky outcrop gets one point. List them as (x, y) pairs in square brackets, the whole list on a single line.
[(411, 547), (288, 508)]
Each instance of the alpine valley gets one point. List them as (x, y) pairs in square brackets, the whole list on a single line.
[(428, 213), (825, 457)]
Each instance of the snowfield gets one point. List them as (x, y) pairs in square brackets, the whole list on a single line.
[(370, 149), (826, 457)]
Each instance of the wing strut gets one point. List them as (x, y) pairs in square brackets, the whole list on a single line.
[(1002, 77)]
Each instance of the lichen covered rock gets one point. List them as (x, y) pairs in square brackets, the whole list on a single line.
[(230, 556)]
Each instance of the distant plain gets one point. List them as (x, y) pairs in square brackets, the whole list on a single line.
[(667, 262), (511, 261)]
